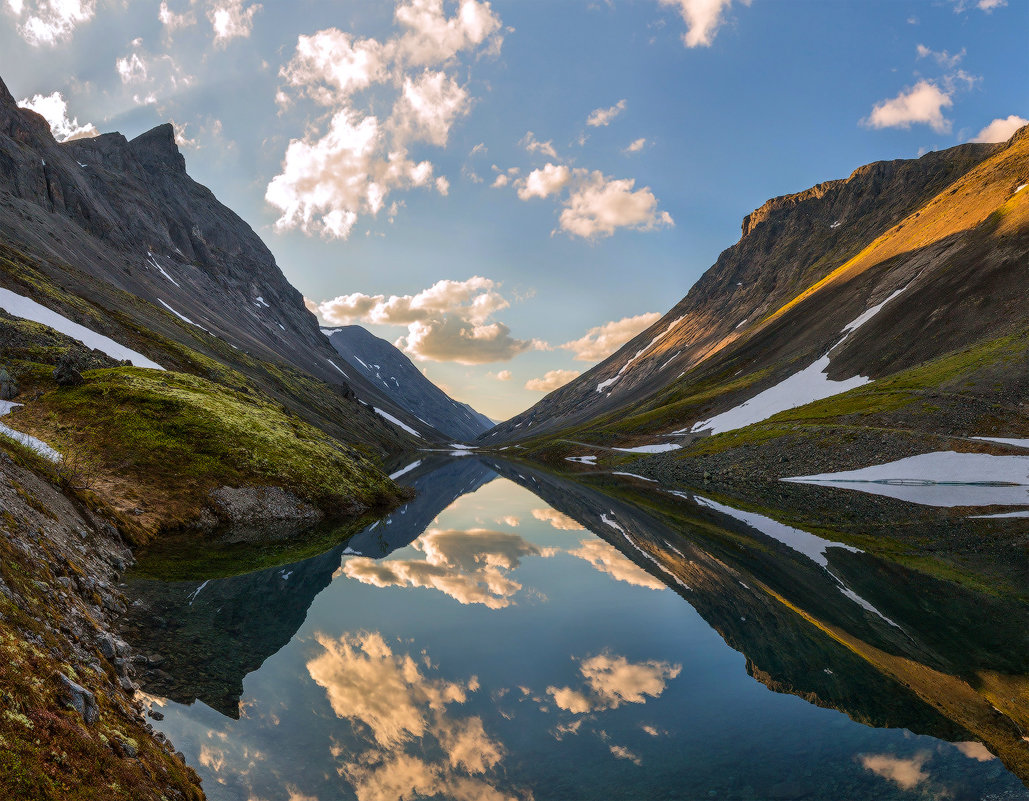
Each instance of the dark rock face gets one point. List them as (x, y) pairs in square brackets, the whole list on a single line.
[(787, 245), (106, 214), (384, 365), (80, 699), (8, 386), (66, 374)]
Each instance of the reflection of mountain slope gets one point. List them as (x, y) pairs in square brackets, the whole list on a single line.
[(208, 636), (940, 671), (438, 486)]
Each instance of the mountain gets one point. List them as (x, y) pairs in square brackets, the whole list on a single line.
[(904, 286), (395, 375), (114, 234)]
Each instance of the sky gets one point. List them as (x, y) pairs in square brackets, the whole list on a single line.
[(510, 190)]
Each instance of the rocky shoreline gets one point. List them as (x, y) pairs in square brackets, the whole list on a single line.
[(71, 721)]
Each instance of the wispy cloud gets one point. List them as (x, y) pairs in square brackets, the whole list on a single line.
[(601, 117), (50, 22), (551, 380), (603, 340)]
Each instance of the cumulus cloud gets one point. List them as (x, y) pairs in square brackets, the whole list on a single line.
[(599, 205), (608, 559), (552, 379), (612, 680), (702, 18), (54, 110), (549, 180), (230, 19), (49, 22), (471, 566), (331, 177), (601, 341), (503, 375), (636, 145), (558, 520), (596, 205), (1001, 129), (449, 321), (921, 104), (905, 773), (601, 117)]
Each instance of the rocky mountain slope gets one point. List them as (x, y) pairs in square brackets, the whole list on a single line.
[(903, 329), (787, 246), (116, 230), (395, 375)]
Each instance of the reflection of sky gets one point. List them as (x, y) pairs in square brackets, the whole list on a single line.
[(586, 681)]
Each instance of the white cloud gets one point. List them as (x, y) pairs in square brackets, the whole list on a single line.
[(600, 117), (989, 5), (1001, 129), (922, 104), (942, 57), (905, 773), (549, 180), (449, 321), (603, 340), (329, 179), (173, 21), (636, 145), (48, 22), (552, 379), (503, 375), (976, 751), (533, 145), (599, 205), (702, 18), (150, 76), (54, 109), (231, 20)]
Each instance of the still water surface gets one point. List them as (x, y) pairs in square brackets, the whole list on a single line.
[(482, 643)]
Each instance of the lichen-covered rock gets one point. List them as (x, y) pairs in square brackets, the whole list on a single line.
[(80, 699), (67, 374), (8, 386)]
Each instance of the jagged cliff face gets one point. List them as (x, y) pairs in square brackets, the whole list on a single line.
[(787, 245), (103, 215), (392, 372)]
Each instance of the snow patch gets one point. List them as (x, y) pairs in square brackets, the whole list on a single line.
[(394, 420), (1017, 442), (262, 302), (582, 459), (330, 361), (180, 315), (997, 517), (942, 479), (661, 448), (153, 261), (605, 384), (633, 475), (27, 440), (30, 310), (742, 323)]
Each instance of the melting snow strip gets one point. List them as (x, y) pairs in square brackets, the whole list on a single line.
[(605, 384), (1017, 442), (30, 310), (27, 440), (153, 261), (633, 475), (396, 422), (193, 595), (580, 459), (330, 361), (660, 448), (179, 314)]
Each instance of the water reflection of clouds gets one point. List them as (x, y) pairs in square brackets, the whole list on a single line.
[(558, 520), (387, 697), (469, 565), (608, 559), (905, 773), (611, 680)]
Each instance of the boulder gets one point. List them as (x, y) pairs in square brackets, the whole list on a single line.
[(8, 386), (80, 699), (67, 374)]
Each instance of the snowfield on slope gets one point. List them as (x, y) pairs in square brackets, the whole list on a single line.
[(809, 385), (27, 309)]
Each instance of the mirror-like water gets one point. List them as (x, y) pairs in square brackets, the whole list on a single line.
[(512, 635)]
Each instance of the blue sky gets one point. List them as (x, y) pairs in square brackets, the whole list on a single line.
[(566, 169)]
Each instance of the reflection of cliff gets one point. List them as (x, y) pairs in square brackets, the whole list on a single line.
[(900, 650), (205, 637)]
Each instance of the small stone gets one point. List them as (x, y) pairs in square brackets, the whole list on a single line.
[(129, 749)]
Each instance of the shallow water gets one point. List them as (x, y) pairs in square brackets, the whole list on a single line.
[(485, 643)]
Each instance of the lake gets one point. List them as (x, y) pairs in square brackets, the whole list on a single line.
[(515, 634)]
